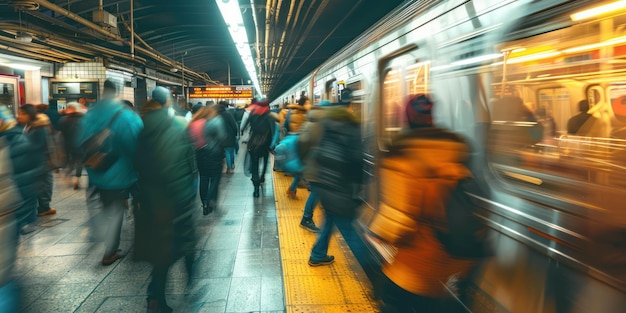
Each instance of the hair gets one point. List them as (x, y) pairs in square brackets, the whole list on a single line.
[(204, 113), (583, 106), (30, 110), (303, 100), (128, 103)]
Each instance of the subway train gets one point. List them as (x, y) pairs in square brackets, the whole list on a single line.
[(538, 88)]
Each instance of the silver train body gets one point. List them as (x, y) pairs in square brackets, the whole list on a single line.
[(557, 199)]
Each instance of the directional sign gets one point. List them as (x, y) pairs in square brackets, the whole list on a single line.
[(221, 92)]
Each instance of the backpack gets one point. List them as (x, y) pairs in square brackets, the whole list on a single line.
[(286, 155), (261, 132), (464, 236), (99, 153)]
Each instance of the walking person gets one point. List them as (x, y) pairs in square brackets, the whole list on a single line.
[(69, 125), (231, 130), (417, 276), (262, 125), (26, 169), (294, 119), (164, 228), (333, 167), (38, 129), (113, 183), (207, 131)]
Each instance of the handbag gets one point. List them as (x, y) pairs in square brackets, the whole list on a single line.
[(98, 149)]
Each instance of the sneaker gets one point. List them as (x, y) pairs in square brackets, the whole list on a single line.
[(110, 260), (329, 259), (50, 211), (76, 183), (309, 225), (29, 228), (291, 194)]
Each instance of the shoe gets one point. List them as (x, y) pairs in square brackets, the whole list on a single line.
[(205, 209), (29, 228), (156, 306), (76, 184), (256, 192), (110, 260), (329, 259), (50, 211), (291, 194), (309, 225)]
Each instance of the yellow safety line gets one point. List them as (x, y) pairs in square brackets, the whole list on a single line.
[(339, 287)]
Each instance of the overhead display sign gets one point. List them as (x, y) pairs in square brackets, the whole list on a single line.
[(221, 92)]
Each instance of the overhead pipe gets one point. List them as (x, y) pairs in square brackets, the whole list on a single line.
[(276, 15), (132, 29), (268, 7), (295, 23), (256, 39), (108, 34), (31, 54)]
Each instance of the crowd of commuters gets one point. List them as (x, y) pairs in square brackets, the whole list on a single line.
[(164, 156)]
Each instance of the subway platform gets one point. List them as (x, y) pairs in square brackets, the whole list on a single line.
[(251, 257)]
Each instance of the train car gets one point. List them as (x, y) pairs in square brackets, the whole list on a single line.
[(538, 88)]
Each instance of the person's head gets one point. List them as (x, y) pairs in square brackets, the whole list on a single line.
[(42, 108), (26, 114), (110, 89), (583, 106), (128, 103), (82, 101), (204, 112), (345, 96), (73, 107), (305, 102), (162, 96), (419, 111), (196, 107), (7, 121)]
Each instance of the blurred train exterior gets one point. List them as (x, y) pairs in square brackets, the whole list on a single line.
[(556, 200)]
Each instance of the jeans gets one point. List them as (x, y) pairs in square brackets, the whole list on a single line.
[(74, 163), (255, 158), (112, 216), (44, 192), (311, 203), (230, 157), (209, 187), (294, 183)]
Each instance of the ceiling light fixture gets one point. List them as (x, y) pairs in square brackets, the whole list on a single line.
[(599, 10), (231, 13)]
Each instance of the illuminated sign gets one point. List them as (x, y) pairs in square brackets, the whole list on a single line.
[(221, 92)]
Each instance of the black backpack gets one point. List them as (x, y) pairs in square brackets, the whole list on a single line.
[(261, 136), (465, 234)]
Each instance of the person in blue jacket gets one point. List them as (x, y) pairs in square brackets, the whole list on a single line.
[(113, 184)]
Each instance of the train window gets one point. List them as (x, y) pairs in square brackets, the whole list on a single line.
[(558, 124), (357, 98), (402, 77)]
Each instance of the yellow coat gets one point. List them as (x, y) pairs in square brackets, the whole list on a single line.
[(416, 179)]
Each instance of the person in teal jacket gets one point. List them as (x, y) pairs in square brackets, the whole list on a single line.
[(113, 184)]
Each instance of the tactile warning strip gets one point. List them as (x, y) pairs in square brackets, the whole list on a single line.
[(339, 287)]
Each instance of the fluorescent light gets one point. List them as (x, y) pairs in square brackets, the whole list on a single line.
[(24, 67), (599, 10), (610, 42), (534, 56), (478, 59), (231, 13)]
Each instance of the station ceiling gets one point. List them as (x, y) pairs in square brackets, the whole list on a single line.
[(289, 38)]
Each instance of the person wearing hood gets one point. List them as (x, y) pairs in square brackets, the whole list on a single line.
[(27, 168), (113, 184), (38, 129), (230, 127), (437, 158), (332, 153), (69, 125), (166, 166)]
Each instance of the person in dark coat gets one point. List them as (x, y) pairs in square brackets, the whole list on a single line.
[(69, 125), (167, 172), (37, 127), (207, 130), (231, 129), (26, 169), (262, 124)]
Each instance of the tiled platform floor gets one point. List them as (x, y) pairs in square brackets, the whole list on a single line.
[(242, 266)]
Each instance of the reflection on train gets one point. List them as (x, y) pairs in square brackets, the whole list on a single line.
[(539, 89)]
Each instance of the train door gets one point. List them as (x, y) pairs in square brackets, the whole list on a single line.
[(9, 92), (401, 75)]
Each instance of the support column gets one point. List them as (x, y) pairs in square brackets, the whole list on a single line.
[(32, 86)]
